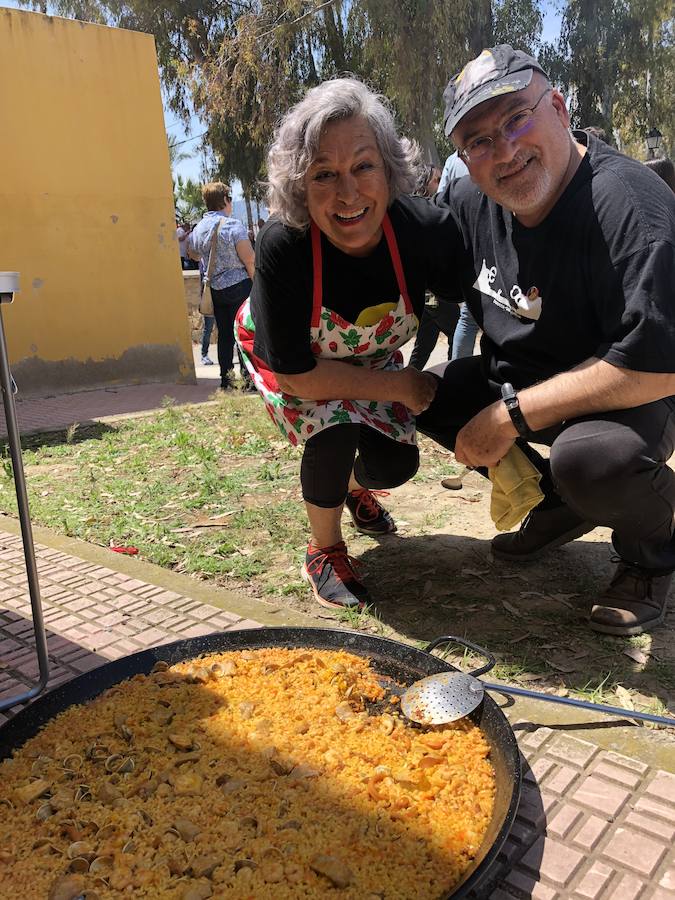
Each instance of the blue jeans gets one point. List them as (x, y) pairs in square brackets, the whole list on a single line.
[(465, 334), (209, 322)]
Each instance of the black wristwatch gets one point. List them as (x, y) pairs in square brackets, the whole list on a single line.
[(510, 398)]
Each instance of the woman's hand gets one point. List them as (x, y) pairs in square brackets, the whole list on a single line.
[(419, 389)]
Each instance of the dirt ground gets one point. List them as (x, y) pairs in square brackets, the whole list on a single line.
[(437, 576)]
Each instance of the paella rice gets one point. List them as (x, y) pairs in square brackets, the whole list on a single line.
[(255, 774)]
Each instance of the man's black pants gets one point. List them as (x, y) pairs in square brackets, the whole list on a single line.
[(609, 468)]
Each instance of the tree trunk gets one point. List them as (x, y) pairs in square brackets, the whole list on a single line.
[(249, 212), (480, 33), (335, 40)]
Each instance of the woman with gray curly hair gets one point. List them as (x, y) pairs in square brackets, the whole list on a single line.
[(340, 274)]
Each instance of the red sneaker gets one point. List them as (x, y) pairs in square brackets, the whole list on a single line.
[(331, 574), (369, 516)]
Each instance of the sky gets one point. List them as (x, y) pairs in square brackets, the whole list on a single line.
[(191, 167)]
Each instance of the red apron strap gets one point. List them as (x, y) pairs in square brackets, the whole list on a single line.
[(396, 260), (317, 271)]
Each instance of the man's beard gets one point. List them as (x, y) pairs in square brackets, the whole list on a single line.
[(530, 190)]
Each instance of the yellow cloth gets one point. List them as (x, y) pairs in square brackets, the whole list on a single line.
[(371, 315), (515, 489)]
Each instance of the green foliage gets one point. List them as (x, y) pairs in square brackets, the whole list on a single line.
[(240, 64), (188, 199), (616, 59)]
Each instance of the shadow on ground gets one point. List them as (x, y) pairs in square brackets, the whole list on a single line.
[(533, 617)]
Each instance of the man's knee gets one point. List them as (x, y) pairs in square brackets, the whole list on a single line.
[(593, 464)]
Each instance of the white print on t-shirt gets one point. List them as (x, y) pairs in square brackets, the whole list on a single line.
[(518, 304)]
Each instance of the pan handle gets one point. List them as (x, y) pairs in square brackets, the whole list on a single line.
[(452, 639)]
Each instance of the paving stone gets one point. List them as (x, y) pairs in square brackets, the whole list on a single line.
[(79, 603), (663, 787), (535, 739), (553, 860), (629, 888), (602, 796), (571, 750), (538, 769), (500, 894), (619, 774), (660, 894), (111, 620), (155, 616), (590, 833), (559, 781), (529, 886), (167, 597), (564, 821), (204, 611), (523, 833), (650, 807), (654, 826), (130, 584), (125, 647), (243, 624), (196, 630), (149, 637), (225, 619), (622, 847), (88, 662), (594, 881)]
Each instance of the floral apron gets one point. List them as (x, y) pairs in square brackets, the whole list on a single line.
[(375, 346)]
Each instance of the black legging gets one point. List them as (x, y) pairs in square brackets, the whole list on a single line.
[(330, 456), (226, 302)]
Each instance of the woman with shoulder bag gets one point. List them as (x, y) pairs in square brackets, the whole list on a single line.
[(221, 241)]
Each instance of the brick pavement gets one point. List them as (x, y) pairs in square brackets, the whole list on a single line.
[(592, 824), (84, 407)]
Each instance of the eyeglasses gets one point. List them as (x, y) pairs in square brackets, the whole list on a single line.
[(515, 127)]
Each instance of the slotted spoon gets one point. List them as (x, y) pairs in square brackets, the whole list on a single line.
[(448, 696)]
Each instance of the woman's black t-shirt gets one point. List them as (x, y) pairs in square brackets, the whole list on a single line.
[(281, 298)]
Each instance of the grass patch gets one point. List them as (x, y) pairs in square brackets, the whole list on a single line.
[(160, 483)]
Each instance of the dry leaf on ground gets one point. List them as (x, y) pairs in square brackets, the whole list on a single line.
[(624, 697), (510, 608)]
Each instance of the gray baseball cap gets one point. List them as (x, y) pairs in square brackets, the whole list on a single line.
[(498, 70)]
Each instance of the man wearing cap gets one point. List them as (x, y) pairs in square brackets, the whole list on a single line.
[(569, 270)]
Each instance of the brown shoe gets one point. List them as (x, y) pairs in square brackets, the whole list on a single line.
[(634, 602), (542, 530)]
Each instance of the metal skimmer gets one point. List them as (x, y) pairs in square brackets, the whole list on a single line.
[(448, 696)]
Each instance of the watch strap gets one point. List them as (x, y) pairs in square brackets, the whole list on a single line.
[(510, 398)]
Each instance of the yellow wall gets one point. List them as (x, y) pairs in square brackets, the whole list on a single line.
[(86, 207)]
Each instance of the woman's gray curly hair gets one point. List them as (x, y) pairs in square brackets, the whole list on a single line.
[(296, 143)]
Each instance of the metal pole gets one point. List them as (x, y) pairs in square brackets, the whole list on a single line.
[(580, 704), (26, 530)]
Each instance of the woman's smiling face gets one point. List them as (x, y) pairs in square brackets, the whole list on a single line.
[(347, 188)]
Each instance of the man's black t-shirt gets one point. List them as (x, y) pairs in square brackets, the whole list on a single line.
[(281, 298), (595, 279)]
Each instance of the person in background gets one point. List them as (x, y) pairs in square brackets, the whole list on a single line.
[(208, 322), (232, 270), (570, 270), (342, 267), (466, 329), (664, 169), (439, 316), (182, 235)]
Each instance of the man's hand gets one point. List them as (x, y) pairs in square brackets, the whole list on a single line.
[(486, 438), (419, 389)]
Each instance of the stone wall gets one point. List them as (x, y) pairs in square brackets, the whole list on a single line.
[(191, 284)]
